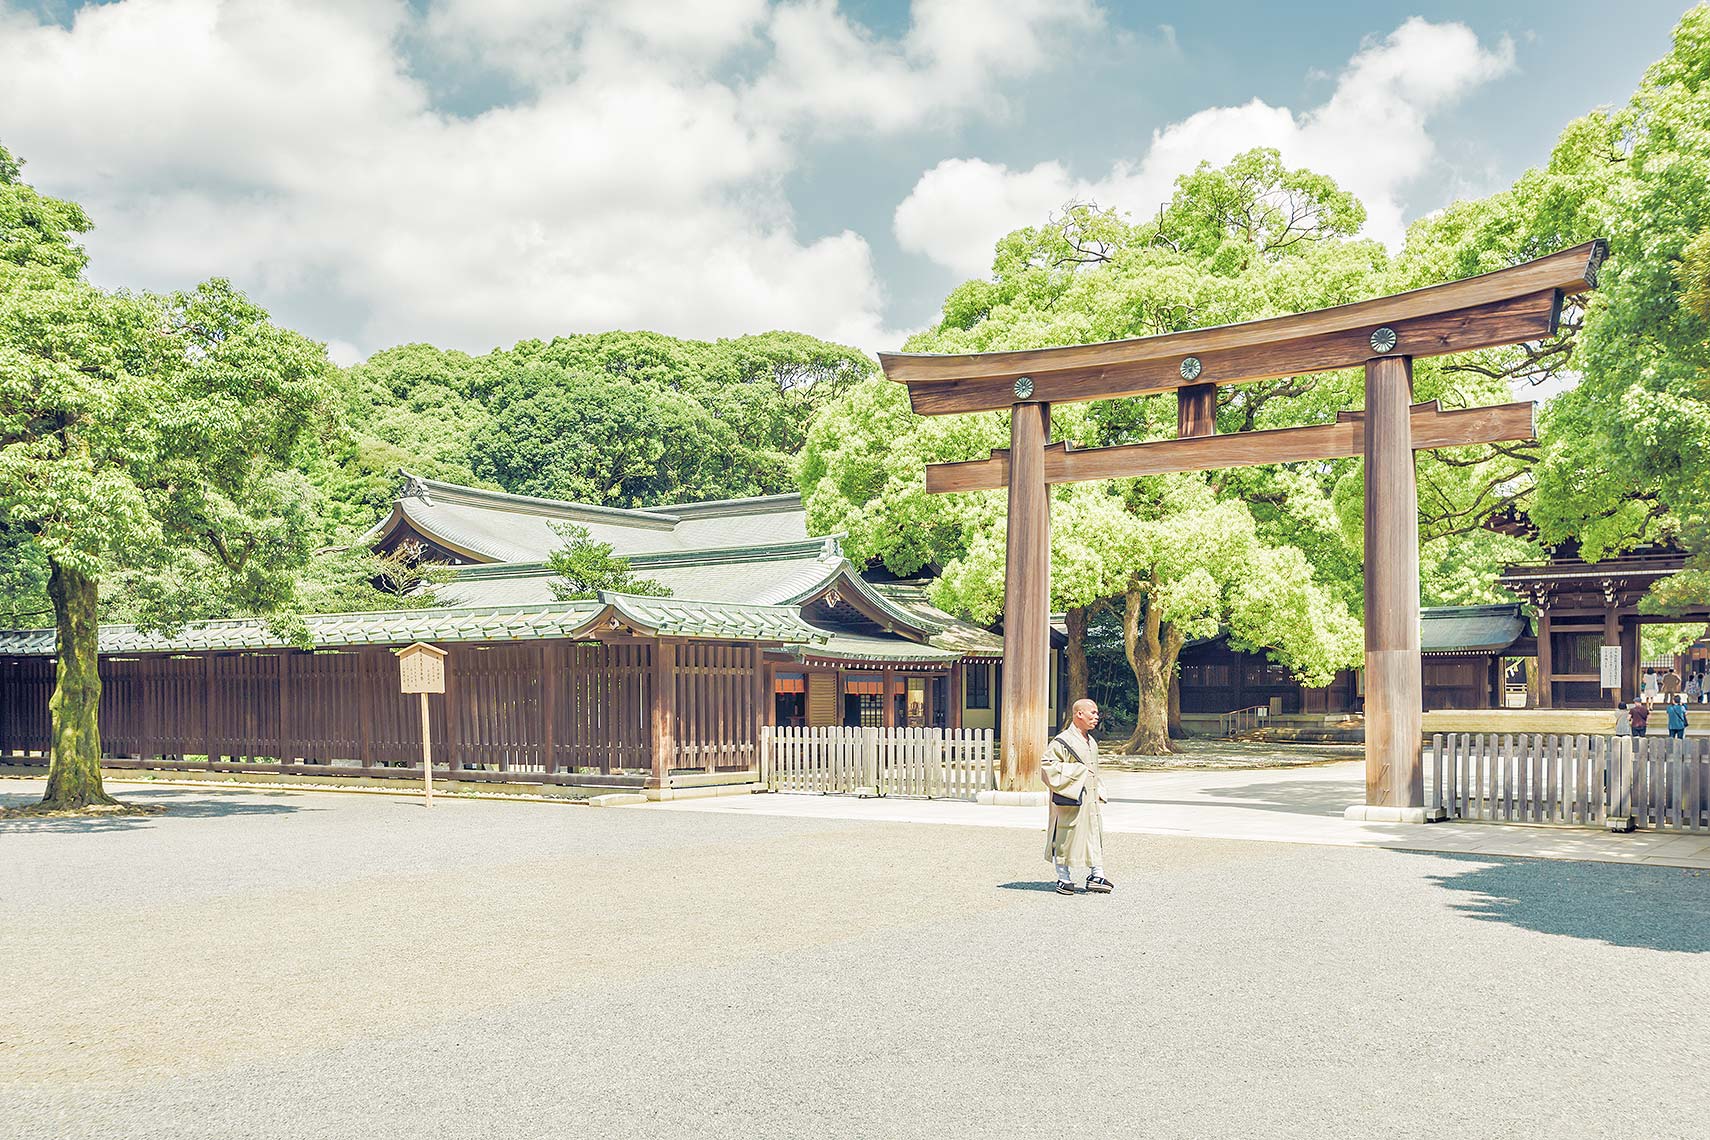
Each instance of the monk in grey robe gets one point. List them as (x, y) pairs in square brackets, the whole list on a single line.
[(1074, 830)]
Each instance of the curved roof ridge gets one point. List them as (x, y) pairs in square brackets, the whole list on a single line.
[(713, 508), (844, 570), (416, 486)]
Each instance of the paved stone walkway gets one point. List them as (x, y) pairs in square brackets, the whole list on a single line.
[(316, 965), (1303, 805)]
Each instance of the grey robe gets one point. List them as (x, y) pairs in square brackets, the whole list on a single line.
[(1074, 834)]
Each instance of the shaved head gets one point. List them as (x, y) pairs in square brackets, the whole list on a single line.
[(1085, 715)]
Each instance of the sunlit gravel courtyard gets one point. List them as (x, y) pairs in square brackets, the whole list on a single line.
[(299, 964)]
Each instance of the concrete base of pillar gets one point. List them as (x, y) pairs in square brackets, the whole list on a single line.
[(701, 793), (1010, 799), (1371, 813), (1620, 823)]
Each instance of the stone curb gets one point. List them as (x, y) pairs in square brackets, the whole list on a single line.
[(1010, 799)]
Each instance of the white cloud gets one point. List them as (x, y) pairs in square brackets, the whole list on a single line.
[(1371, 135), (955, 57), (293, 149), (546, 42)]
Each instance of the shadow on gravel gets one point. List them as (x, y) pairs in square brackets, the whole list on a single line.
[(1293, 797), (176, 808), (1657, 908), (1045, 885)]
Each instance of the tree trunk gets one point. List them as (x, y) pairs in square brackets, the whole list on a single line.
[(74, 764), (1176, 732), (1144, 642), (1076, 618)]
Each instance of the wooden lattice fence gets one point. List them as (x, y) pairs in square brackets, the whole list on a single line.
[(930, 762), (1655, 781)]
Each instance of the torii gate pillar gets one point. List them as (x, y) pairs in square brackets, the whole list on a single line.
[(1027, 601), (1395, 770)]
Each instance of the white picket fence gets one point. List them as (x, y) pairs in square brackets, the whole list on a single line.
[(931, 762), (1581, 781)]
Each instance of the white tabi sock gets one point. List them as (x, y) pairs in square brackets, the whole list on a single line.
[(1063, 875)]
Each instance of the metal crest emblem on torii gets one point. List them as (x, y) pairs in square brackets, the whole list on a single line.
[(1510, 306)]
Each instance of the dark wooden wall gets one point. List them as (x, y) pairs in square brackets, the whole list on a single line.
[(1216, 679), (1473, 681), (539, 710)]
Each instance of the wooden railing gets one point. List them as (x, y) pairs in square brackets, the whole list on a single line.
[(1233, 724), (932, 762), (1583, 781)]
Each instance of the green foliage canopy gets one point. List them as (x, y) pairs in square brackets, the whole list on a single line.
[(584, 567)]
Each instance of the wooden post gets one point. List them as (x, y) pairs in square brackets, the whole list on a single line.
[(890, 706), (764, 707), (551, 669), (283, 745), (1395, 776), (427, 753), (1196, 410), (1027, 600), (208, 706), (955, 695), (1630, 661), (1546, 658), (664, 713)]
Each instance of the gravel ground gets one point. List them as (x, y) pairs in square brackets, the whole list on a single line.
[(306, 965)]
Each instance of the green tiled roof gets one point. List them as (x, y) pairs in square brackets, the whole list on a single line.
[(757, 575), (477, 623), (952, 633), (857, 647), (1469, 629), (492, 526), (675, 617)]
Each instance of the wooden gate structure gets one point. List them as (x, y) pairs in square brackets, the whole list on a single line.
[(1509, 306)]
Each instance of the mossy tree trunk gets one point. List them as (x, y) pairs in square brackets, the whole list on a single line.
[(74, 764), (1152, 647)]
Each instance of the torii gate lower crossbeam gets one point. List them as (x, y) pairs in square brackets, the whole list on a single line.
[(1509, 306)]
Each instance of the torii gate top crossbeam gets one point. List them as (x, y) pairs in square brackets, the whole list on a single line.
[(1508, 306)]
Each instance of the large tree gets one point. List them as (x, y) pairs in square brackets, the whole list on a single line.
[(640, 419), (145, 442)]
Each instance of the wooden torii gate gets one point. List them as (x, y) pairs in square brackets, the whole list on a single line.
[(1510, 306)]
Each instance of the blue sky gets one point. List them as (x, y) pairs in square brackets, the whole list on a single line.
[(472, 172)]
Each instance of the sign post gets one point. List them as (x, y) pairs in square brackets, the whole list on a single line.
[(421, 669)]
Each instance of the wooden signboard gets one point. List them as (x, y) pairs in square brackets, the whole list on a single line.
[(421, 669)]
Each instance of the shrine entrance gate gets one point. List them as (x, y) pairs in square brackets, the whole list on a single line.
[(1509, 306)]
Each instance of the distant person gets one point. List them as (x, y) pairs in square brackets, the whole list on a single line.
[(1623, 720), (1648, 686), (1676, 717), (1074, 829), (1694, 688), (1640, 715), (1670, 685)]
